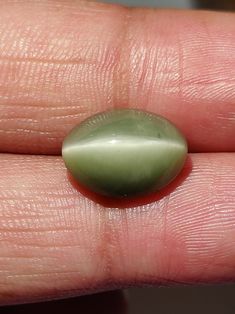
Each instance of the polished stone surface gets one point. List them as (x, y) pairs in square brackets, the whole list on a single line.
[(124, 153)]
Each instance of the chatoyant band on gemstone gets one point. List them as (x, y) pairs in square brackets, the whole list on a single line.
[(124, 153)]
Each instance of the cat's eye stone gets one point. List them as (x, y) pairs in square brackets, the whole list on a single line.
[(124, 152)]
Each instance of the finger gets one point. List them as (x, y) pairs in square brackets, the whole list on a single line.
[(54, 242), (61, 62)]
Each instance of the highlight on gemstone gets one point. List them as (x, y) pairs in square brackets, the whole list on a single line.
[(124, 152)]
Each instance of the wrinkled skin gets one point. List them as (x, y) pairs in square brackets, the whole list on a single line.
[(62, 61)]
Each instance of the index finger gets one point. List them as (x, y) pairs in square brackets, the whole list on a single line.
[(60, 63)]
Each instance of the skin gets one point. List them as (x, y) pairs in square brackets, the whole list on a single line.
[(60, 62)]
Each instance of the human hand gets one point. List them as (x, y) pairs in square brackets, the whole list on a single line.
[(61, 62)]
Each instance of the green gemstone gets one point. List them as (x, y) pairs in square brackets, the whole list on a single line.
[(124, 152)]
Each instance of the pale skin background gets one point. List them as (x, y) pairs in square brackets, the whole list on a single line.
[(61, 61)]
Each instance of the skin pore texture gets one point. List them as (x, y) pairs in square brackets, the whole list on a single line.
[(62, 61)]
